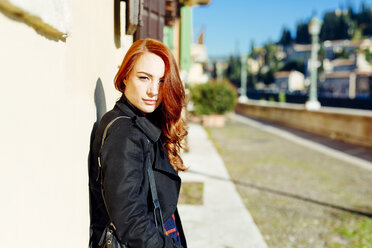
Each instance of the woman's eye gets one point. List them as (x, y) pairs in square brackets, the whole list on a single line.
[(144, 78)]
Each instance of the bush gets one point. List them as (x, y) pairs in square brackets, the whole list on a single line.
[(213, 98)]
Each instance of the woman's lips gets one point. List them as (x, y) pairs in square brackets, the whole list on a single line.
[(150, 101)]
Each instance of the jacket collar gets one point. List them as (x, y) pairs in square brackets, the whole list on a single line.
[(149, 129)]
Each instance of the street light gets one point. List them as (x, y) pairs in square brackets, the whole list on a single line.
[(314, 30), (243, 79), (219, 71)]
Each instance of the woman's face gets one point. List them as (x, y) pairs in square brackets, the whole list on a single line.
[(142, 85)]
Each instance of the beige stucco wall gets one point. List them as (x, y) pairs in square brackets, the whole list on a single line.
[(353, 126), (48, 109)]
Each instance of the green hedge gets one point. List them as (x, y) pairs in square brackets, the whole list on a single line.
[(213, 98)]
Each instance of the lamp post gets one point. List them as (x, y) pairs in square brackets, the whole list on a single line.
[(219, 71), (243, 79), (314, 30)]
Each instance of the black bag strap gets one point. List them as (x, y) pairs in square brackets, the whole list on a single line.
[(103, 139), (150, 173), (154, 193)]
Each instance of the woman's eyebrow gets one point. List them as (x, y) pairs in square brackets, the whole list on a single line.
[(147, 74)]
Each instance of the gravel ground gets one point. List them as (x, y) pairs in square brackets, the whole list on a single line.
[(257, 158)]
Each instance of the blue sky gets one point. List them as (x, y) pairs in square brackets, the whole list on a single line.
[(232, 24)]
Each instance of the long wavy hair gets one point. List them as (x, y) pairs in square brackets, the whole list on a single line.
[(169, 116)]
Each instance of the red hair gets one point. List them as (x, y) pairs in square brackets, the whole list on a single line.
[(172, 124)]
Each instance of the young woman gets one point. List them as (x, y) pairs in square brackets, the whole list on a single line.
[(151, 132)]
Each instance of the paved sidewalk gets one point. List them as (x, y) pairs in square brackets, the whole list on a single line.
[(354, 154), (222, 221)]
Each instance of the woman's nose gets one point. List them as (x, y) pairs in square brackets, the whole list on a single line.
[(153, 88)]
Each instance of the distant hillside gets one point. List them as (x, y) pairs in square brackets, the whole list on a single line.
[(337, 25)]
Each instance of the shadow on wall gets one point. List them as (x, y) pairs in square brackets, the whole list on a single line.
[(101, 109), (100, 102)]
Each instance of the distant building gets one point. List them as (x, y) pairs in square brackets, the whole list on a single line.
[(333, 47), (253, 65), (347, 78), (343, 65), (363, 84), (298, 52), (289, 81), (199, 58), (366, 44), (362, 64), (347, 84), (336, 84)]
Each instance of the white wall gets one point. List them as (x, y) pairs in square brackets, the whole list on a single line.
[(47, 113), (56, 13), (296, 81)]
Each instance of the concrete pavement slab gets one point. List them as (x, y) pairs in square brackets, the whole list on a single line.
[(222, 220)]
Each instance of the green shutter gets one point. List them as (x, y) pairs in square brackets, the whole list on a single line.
[(186, 38)]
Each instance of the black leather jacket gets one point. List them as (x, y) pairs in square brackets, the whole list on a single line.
[(125, 181)]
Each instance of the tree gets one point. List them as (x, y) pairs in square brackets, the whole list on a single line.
[(271, 64), (270, 56), (286, 38), (233, 70), (344, 53), (364, 20), (302, 35), (265, 75), (337, 26), (214, 70), (297, 65), (329, 26), (357, 34), (368, 55), (251, 81), (351, 13)]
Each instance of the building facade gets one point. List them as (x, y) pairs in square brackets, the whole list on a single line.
[(289, 81), (58, 61)]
